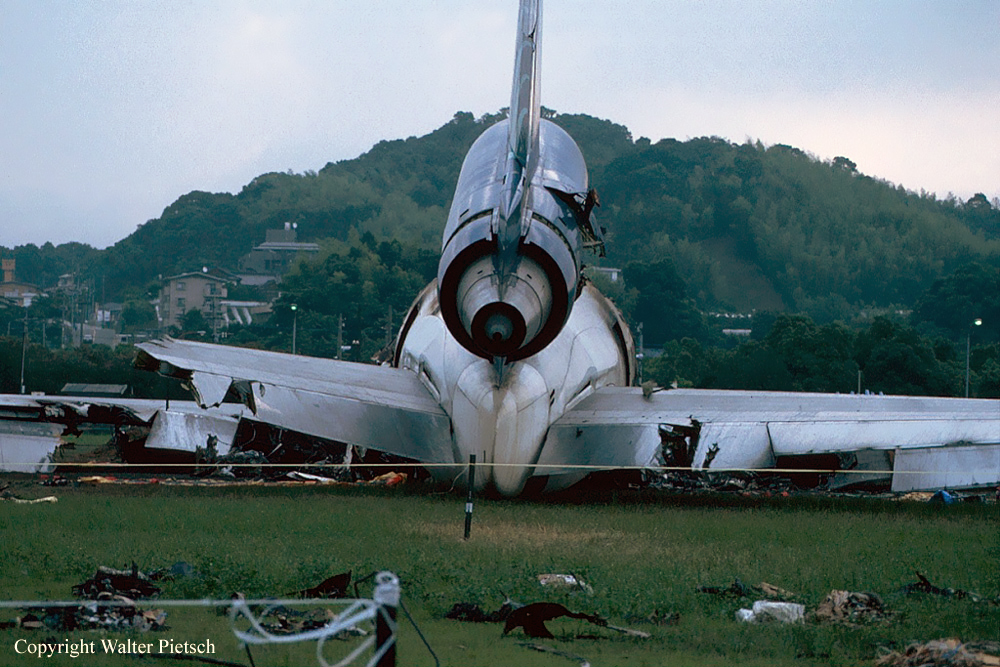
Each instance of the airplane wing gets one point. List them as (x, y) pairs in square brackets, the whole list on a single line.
[(922, 442), (383, 408), (31, 426)]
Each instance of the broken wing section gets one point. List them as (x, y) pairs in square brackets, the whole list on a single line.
[(913, 442), (382, 408), (31, 427)]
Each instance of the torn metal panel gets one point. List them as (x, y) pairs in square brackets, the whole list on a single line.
[(186, 431), (865, 466), (27, 446), (798, 438), (946, 467), (91, 410), (734, 446)]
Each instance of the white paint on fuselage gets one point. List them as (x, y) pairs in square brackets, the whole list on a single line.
[(503, 417)]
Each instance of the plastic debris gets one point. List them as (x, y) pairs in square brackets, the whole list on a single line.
[(943, 497), (768, 610)]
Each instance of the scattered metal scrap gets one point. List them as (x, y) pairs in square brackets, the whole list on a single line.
[(470, 612), (336, 586), (851, 608), (110, 612), (9, 496), (110, 604), (531, 618), (923, 585), (130, 583), (738, 589), (944, 653)]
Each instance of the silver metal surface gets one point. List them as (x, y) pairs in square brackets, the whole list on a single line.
[(27, 446)]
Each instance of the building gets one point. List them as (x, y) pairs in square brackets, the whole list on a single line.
[(275, 256), (196, 290), (17, 292)]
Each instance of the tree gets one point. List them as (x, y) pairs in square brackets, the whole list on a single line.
[(661, 303), (194, 321)]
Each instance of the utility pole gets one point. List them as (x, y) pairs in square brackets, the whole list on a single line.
[(24, 345), (639, 357), (388, 329), (968, 349), (340, 334)]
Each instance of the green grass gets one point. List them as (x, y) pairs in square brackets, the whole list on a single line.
[(641, 554)]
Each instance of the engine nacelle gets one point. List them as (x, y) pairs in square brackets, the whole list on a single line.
[(512, 303)]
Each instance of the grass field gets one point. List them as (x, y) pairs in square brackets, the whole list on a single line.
[(643, 554)]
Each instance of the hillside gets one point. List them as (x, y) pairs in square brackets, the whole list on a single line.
[(747, 226)]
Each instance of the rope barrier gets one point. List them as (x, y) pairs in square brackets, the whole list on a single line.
[(543, 466)]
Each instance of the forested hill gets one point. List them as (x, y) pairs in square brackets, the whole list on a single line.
[(746, 226)]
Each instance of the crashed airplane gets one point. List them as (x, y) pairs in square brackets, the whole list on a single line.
[(511, 356)]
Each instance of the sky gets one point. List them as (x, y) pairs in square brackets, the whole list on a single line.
[(110, 110)]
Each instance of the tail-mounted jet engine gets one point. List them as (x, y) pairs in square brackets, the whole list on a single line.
[(510, 266)]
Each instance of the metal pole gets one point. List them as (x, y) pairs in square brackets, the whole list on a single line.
[(295, 324), (387, 597), (642, 352), (968, 347), (24, 346), (340, 334), (468, 501)]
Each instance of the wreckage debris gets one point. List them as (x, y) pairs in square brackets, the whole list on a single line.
[(336, 586), (531, 618), (110, 605), (130, 583), (851, 608), (923, 585), (767, 610), (565, 581), (469, 612), (11, 498), (282, 620), (944, 653), (656, 617), (740, 590), (110, 613)]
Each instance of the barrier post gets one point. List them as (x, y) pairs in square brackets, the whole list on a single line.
[(387, 597)]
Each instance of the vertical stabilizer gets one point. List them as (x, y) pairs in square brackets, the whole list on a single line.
[(525, 107), (522, 140)]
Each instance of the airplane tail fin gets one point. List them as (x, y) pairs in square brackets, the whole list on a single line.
[(525, 106), (522, 138)]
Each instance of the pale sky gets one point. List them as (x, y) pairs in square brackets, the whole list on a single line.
[(112, 109)]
